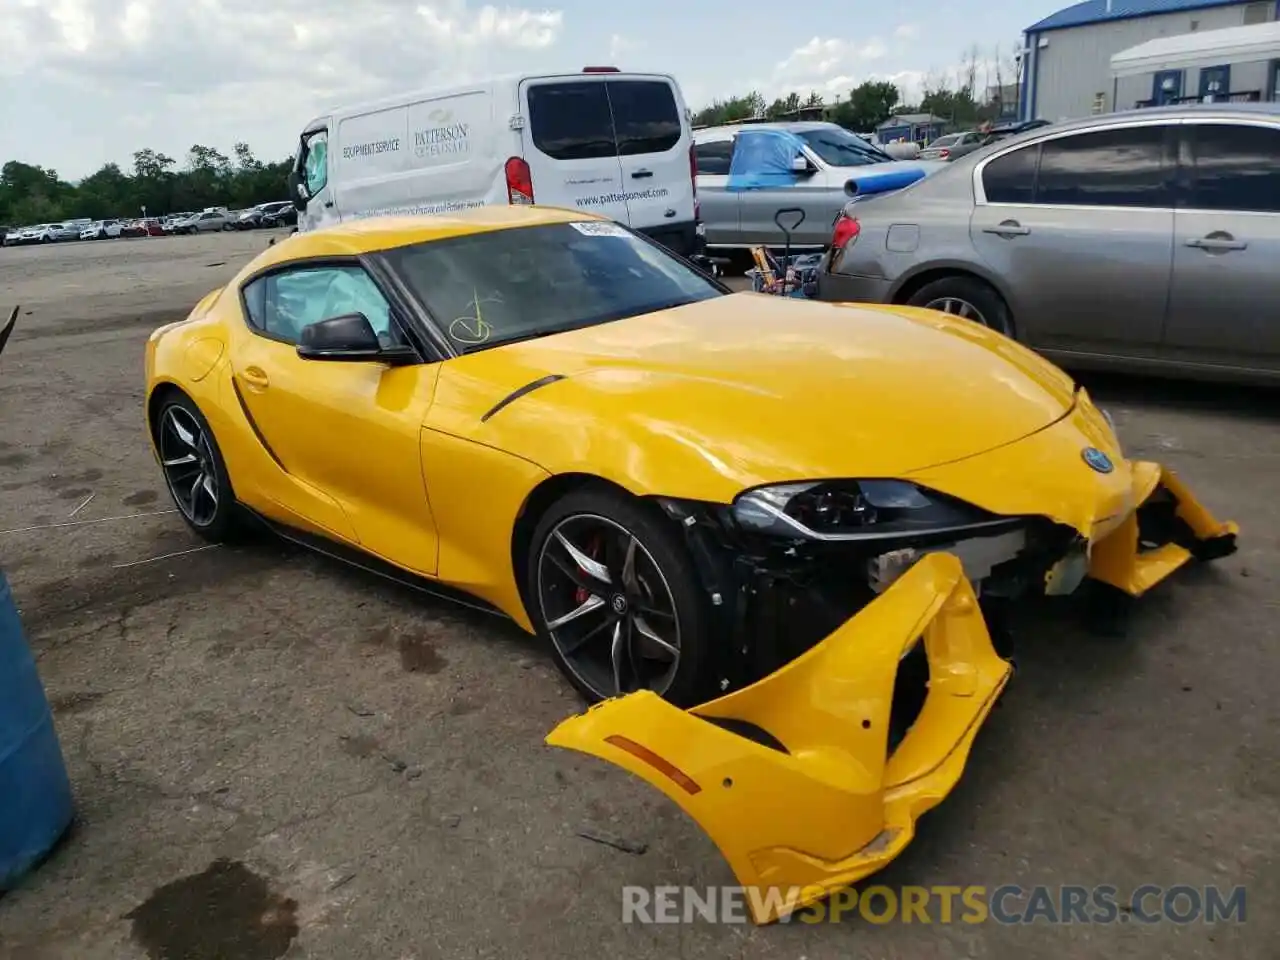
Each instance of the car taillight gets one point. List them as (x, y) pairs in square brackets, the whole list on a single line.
[(846, 231), (519, 181), (944, 153)]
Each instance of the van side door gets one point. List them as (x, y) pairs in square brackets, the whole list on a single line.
[(570, 146)]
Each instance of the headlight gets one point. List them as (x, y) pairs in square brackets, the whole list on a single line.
[(855, 510)]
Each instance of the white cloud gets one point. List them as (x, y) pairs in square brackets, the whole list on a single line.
[(834, 66), (618, 45), (237, 64)]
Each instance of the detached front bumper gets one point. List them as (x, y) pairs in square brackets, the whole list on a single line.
[(1169, 528), (795, 778)]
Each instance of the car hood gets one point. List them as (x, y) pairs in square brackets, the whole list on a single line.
[(708, 399)]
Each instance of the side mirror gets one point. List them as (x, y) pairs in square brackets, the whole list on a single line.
[(801, 167), (349, 338), (298, 191)]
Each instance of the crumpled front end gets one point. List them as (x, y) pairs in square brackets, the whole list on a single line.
[(1130, 523), (1169, 528), (811, 779)]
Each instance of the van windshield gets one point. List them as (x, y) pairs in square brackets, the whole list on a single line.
[(487, 289)]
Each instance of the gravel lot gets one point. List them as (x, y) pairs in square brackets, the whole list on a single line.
[(315, 749)]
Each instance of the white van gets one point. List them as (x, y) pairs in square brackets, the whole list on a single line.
[(616, 144)]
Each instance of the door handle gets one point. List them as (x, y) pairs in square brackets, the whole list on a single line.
[(641, 174), (256, 378), (1009, 228), (1218, 244)]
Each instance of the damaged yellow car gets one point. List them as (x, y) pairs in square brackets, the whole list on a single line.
[(760, 530)]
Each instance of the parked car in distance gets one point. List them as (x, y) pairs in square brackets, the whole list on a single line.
[(206, 222), (62, 232), (831, 155), (254, 217), (9, 235), (102, 230), (1145, 240), (953, 146), (286, 217)]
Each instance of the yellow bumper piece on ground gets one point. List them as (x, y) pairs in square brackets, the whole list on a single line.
[(1118, 559), (818, 803)]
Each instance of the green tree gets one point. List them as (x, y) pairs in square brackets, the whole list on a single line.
[(869, 105), (32, 194)]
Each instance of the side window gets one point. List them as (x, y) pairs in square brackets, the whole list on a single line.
[(1106, 168), (645, 116), (571, 121), (281, 304), (715, 157), (315, 169), (1236, 167), (1012, 177)]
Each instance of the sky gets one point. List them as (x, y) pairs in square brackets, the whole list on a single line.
[(86, 82)]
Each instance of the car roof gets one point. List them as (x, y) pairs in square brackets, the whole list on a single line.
[(372, 234)]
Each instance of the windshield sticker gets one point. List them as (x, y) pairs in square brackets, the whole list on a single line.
[(598, 228)]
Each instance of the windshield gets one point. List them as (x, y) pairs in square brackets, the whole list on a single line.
[(840, 148), (487, 289)]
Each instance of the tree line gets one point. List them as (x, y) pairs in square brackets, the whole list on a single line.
[(32, 194), (978, 90)]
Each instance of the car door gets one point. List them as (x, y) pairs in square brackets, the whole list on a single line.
[(1079, 227), (1226, 256), (719, 206), (344, 436), (570, 147), (816, 191), (653, 153)]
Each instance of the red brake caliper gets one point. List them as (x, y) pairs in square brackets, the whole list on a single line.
[(593, 551)]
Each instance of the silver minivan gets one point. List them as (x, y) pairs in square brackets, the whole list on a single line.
[(1146, 240), (830, 158)]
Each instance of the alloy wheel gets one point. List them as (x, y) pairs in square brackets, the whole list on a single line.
[(189, 468), (608, 607), (958, 308)]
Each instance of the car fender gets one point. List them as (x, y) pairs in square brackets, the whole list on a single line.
[(952, 265)]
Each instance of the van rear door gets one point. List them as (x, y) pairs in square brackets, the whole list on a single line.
[(653, 147), (570, 147)]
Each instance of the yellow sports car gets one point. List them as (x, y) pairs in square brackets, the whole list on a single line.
[(757, 527)]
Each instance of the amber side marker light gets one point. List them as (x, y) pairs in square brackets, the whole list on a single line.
[(652, 759)]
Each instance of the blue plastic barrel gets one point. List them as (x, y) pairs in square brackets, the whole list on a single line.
[(35, 793)]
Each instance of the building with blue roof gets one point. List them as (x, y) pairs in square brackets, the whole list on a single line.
[(1066, 57)]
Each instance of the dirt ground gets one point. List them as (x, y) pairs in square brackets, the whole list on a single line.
[(274, 755)]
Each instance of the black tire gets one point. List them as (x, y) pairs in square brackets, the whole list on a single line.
[(226, 227), (991, 309), (222, 521), (663, 551)]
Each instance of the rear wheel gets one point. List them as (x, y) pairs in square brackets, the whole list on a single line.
[(968, 298), (194, 470), (611, 586)]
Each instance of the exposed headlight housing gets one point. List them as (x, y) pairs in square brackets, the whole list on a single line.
[(855, 510)]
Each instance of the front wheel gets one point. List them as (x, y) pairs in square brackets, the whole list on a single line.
[(612, 587), (194, 470)]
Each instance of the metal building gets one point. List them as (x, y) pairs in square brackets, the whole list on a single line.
[(1066, 57)]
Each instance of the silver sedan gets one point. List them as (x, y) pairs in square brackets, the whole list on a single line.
[(1145, 240)]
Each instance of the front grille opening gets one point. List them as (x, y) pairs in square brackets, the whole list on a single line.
[(1159, 523), (910, 690)]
